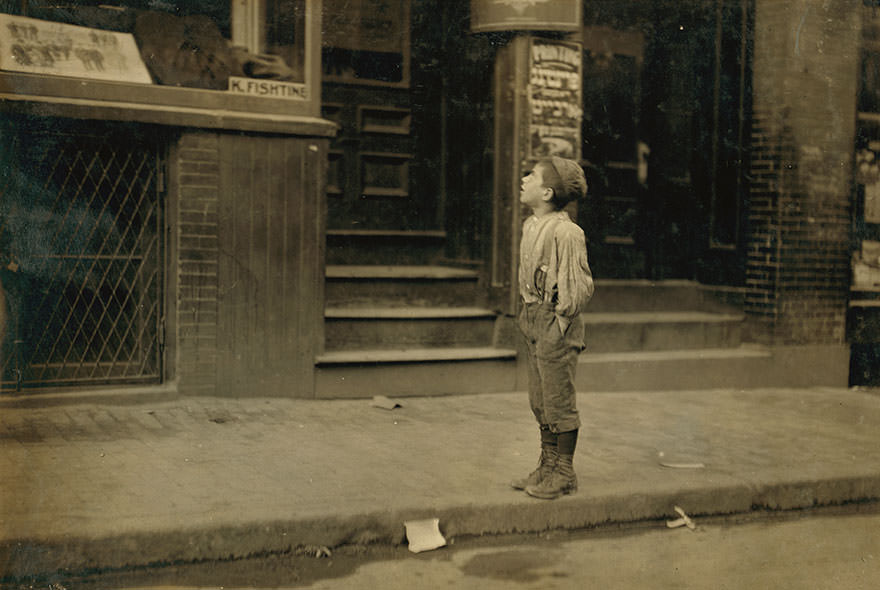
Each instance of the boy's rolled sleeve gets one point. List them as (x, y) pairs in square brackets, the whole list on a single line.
[(574, 280)]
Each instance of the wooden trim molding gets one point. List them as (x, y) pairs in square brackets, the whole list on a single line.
[(163, 114)]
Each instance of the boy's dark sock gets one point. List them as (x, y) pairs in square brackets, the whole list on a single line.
[(548, 437), (566, 442)]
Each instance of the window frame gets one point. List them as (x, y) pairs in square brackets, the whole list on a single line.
[(79, 97), (406, 58)]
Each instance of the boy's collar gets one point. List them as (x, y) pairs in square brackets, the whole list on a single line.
[(543, 212), (549, 213)]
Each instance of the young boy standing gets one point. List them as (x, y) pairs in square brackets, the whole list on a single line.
[(555, 284)]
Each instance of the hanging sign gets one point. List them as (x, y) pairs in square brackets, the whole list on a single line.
[(555, 107), (45, 47), (525, 15)]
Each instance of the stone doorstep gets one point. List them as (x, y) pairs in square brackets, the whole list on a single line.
[(413, 355), (393, 272), (405, 313)]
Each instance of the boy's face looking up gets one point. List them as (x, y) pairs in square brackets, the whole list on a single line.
[(532, 192)]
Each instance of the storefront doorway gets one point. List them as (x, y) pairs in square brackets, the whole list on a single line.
[(384, 193), (665, 139), (615, 157)]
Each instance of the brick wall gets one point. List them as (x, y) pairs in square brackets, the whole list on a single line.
[(196, 172), (805, 82)]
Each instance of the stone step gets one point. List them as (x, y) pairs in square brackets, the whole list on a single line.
[(352, 328), (746, 366), (661, 330), (384, 246), (426, 372), (414, 372), (396, 286), (671, 369), (625, 295)]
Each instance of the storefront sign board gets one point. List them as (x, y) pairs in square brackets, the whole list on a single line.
[(268, 88)]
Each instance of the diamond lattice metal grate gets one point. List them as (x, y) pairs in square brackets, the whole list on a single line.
[(81, 223)]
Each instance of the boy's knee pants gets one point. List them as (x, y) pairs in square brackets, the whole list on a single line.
[(552, 360)]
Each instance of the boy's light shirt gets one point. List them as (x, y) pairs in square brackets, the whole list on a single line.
[(567, 273)]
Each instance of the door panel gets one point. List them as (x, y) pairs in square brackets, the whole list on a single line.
[(370, 160), (270, 265), (366, 91)]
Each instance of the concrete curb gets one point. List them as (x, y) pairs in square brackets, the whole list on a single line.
[(23, 557)]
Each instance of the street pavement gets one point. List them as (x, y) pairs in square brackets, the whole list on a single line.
[(104, 482)]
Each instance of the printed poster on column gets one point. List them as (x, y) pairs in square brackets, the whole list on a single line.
[(555, 108)]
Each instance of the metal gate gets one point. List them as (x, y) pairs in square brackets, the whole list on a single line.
[(81, 254)]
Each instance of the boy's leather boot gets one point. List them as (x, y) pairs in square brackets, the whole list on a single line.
[(562, 480), (546, 463)]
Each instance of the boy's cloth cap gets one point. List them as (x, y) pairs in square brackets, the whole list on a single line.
[(572, 184)]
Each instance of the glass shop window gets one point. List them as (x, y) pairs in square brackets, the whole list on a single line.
[(366, 41), (195, 43)]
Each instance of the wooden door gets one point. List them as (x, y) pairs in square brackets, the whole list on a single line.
[(269, 318), (383, 194)]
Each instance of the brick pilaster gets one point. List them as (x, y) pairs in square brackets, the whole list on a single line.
[(805, 83), (197, 171)]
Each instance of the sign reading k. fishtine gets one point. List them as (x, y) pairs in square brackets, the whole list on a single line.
[(268, 88)]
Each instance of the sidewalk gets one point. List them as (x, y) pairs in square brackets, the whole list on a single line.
[(111, 484)]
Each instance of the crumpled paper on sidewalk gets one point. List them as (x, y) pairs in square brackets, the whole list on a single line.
[(674, 463), (424, 535), (685, 520), (380, 401)]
